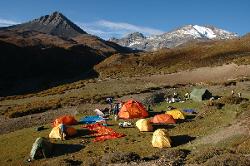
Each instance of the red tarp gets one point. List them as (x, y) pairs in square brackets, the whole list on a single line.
[(102, 133)]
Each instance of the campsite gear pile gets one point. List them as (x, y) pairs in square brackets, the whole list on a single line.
[(125, 124), (102, 133)]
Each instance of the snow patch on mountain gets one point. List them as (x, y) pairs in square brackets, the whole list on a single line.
[(204, 31), (134, 43)]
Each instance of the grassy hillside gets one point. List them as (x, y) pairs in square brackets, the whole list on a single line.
[(185, 57)]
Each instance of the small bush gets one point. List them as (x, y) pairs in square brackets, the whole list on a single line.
[(245, 105), (172, 156), (215, 104), (120, 157), (232, 100), (69, 162), (229, 83), (93, 161), (202, 156), (229, 160), (244, 147)]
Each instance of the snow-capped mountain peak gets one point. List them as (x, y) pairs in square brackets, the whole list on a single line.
[(174, 38)]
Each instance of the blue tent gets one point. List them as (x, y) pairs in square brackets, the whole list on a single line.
[(91, 119), (189, 111)]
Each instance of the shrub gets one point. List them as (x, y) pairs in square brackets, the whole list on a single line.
[(203, 155), (215, 104), (228, 159), (172, 156), (232, 100), (229, 83), (120, 157)]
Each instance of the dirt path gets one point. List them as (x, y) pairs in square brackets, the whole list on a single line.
[(204, 74), (240, 127)]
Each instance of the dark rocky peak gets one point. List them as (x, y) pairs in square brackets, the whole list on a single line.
[(135, 35), (54, 24), (53, 19)]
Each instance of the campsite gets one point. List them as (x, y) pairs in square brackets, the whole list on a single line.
[(124, 83), (218, 129)]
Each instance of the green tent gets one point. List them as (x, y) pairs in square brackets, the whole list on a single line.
[(200, 94), (41, 149)]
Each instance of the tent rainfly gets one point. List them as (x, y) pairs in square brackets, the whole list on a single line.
[(200, 94)]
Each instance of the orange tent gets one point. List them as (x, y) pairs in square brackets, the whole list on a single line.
[(132, 109), (66, 120), (163, 118)]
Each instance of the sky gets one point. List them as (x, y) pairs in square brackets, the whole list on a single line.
[(117, 18)]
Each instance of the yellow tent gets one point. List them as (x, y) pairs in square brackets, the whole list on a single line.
[(61, 131), (161, 139), (57, 132), (144, 125), (176, 114)]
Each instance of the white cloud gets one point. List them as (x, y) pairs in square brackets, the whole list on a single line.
[(107, 29), (5, 22)]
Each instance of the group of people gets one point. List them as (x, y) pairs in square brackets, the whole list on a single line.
[(238, 94), (114, 107)]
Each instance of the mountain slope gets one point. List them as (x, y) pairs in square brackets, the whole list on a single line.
[(189, 56), (174, 38), (48, 51)]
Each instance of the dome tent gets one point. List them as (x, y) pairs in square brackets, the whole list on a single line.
[(161, 139), (144, 125), (176, 114), (200, 94), (163, 119), (66, 120), (132, 109), (61, 131), (41, 148)]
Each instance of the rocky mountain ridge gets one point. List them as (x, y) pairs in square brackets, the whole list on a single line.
[(174, 38)]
